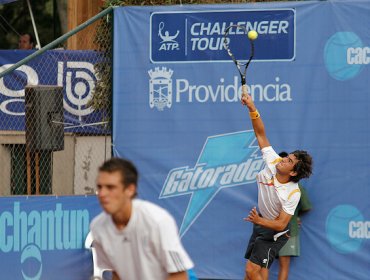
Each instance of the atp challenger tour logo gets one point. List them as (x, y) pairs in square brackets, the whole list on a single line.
[(197, 36), (226, 160), (164, 90)]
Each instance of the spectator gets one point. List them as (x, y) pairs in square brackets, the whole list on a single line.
[(26, 42), (292, 247)]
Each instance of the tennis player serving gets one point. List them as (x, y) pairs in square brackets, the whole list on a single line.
[(278, 197)]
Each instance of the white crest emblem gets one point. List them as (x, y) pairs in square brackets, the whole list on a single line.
[(160, 88)]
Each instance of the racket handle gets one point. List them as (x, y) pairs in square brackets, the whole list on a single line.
[(244, 89)]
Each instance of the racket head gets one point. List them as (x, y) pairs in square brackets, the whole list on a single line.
[(242, 64)]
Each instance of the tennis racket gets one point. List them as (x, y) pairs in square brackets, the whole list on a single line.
[(240, 64)]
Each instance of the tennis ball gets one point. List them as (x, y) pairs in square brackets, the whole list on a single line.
[(252, 35)]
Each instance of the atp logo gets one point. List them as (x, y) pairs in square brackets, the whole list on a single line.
[(226, 160), (168, 42), (160, 88)]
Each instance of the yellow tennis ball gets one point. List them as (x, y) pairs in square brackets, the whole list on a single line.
[(252, 35)]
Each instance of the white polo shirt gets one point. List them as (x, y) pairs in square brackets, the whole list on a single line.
[(149, 246), (272, 195)]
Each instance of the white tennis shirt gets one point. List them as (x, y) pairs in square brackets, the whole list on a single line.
[(272, 195), (149, 246)]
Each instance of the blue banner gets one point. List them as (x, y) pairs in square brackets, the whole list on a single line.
[(73, 70), (177, 115), (198, 36), (43, 238)]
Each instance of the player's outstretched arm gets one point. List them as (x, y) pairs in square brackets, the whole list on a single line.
[(258, 126)]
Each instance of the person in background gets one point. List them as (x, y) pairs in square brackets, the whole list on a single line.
[(136, 239), (292, 247), (26, 42)]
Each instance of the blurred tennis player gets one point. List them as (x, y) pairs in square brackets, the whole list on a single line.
[(135, 238), (278, 197)]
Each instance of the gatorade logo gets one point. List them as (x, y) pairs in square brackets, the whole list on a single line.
[(227, 160)]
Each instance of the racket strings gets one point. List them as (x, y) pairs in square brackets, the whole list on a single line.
[(226, 43), (242, 64), (239, 63)]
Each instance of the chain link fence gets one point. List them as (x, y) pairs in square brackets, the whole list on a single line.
[(55, 112)]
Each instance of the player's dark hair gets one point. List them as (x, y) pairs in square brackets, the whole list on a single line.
[(303, 167), (125, 167)]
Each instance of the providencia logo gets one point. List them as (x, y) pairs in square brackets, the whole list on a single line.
[(226, 160), (345, 55), (166, 89)]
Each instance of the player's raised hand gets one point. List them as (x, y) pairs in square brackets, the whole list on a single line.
[(246, 99)]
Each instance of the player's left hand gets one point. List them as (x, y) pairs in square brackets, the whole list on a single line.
[(253, 216)]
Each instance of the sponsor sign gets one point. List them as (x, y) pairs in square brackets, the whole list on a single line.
[(198, 36)]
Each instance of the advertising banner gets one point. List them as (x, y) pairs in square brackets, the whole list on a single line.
[(73, 70), (44, 237), (198, 36), (178, 116)]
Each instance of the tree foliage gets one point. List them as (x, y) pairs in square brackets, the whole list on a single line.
[(15, 19)]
